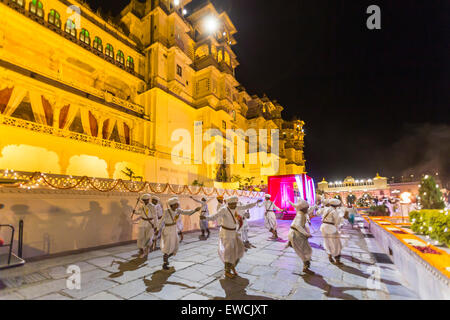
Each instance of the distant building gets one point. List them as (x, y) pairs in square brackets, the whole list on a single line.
[(378, 187)]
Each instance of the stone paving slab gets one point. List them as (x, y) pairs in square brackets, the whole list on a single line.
[(269, 271)]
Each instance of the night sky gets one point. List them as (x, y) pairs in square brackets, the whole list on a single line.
[(373, 100)]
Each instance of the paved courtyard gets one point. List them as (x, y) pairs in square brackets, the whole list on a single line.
[(266, 272)]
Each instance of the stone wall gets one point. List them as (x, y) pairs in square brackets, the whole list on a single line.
[(58, 221)]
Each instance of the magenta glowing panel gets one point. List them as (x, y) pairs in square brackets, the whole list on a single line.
[(291, 188)]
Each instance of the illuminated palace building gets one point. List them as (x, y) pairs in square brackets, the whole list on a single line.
[(378, 187), (81, 94)]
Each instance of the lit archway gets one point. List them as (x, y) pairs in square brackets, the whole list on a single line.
[(84, 165), (29, 158)]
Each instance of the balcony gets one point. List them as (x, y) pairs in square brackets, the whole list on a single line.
[(36, 127)]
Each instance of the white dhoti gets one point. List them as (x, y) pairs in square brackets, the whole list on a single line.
[(300, 244), (244, 231), (169, 240), (270, 220), (231, 247), (180, 225), (331, 239), (145, 235)]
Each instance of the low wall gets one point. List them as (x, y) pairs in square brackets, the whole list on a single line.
[(427, 281), (57, 221)]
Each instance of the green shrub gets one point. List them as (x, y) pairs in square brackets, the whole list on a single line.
[(433, 223), (378, 211)]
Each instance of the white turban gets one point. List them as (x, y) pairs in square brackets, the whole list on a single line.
[(334, 202), (301, 204), (232, 199), (156, 198), (173, 201), (268, 196), (146, 196)]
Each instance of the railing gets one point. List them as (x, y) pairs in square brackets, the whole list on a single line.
[(33, 126)]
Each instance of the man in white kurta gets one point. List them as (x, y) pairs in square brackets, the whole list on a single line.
[(330, 222), (231, 247), (204, 212), (169, 236), (270, 220), (243, 231), (299, 234), (147, 223), (159, 213)]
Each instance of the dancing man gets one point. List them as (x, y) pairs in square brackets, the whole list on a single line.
[(231, 247), (147, 225), (204, 227), (169, 238), (159, 213), (270, 220), (299, 234), (329, 228)]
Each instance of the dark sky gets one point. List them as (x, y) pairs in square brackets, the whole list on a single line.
[(373, 100)]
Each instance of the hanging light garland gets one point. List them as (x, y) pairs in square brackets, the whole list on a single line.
[(35, 180)]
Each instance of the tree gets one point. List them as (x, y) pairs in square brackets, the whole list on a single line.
[(365, 201), (129, 173), (196, 183), (430, 196), (351, 199), (237, 178), (222, 175)]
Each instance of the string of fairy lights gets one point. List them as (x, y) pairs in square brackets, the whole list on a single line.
[(29, 181)]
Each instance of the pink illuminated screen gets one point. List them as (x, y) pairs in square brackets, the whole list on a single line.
[(290, 188)]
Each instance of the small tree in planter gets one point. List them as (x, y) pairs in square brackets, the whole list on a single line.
[(430, 196), (365, 201), (351, 199)]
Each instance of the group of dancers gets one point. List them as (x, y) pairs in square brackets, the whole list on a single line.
[(231, 216)]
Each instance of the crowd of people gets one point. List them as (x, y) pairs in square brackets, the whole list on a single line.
[(165, 226)]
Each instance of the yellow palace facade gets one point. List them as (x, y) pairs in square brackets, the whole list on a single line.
[(81, 94)]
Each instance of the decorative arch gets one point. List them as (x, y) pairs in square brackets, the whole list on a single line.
[(30, 158), (85, 165)]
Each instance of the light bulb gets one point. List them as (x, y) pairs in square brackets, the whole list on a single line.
[(211, 24)]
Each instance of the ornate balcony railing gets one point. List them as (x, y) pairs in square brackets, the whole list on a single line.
[(36, 127)]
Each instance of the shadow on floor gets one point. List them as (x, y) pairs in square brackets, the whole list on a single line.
[(316, 280), (356, 260), (235, 289), (359, 273), (316, 246), (160, 279), (127, 266)]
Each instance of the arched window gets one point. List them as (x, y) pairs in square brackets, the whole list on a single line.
[(37, 8), (120, 58), (85, 37), (19, 2), (97, 44), (130, 63), (71, 28), (54, 18), (109, 51)]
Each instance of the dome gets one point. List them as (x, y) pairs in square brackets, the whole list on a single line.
[(349, 180)]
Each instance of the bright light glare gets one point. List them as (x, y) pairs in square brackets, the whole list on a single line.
[(211, 24), (176, 2)]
